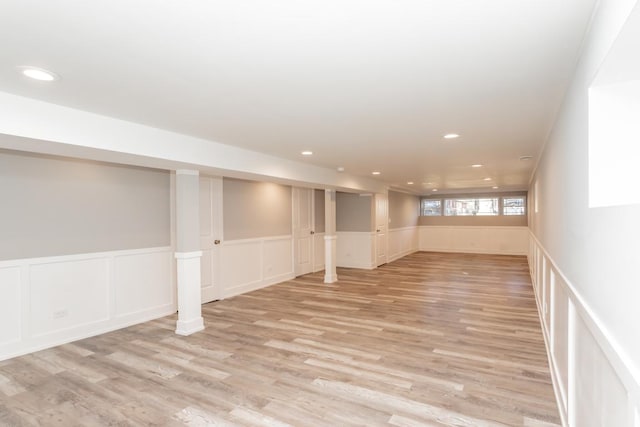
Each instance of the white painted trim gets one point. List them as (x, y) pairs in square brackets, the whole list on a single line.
[(253, 260), (415, 238), (116, 317), (187, 172), (355, 249), (256, 240), (484, 244), (330, 237), (618, 358), (188, 255), (82, 257), (577, 310), (188, 327)]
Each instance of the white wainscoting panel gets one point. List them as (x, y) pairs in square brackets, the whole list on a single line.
[(68, 293), (142, 281), (318, 252), (251, 264), (595, 383), (474, 239), (10, 303), (356, 249), (54, 300), (403, 241)]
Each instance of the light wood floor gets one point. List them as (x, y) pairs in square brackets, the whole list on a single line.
[(429, 340)]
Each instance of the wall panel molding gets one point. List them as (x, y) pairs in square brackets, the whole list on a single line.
[(250, 264), (403, 241), (507, 240), (356, 249), (592, 377), (54, 300)]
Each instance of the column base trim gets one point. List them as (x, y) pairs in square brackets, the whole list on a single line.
[(188, 327), (188, 255), (330, 278)]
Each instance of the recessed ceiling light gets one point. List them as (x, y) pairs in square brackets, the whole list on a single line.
[(38, 74), (495, 187), (307, 153), (375, 173), (451, 136), (340, 169), (410, 182), (435, 189), (525, 158), (477, 165)]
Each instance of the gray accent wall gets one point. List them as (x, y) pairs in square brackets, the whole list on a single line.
[(255, 209), (319, 210), (354, 212), (54, 206), (404, 210)]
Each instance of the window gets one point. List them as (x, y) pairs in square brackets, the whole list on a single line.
[(513, 205), (472, 206), (431, 207)]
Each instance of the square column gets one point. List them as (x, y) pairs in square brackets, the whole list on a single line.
[(330, 237), (188, 252)]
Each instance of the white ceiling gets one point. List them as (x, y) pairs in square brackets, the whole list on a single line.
[(365, 84)]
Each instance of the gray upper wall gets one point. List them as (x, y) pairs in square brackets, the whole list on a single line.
[(57, 206), (404, 210), (255, 209), (354, 212)]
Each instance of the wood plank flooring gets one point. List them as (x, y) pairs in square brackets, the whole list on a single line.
[(429, 340)]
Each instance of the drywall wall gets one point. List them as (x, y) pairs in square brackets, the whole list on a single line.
[(318, 206), (404, 210), (59, 206), (595, 250), (354, 212), (255, 209)]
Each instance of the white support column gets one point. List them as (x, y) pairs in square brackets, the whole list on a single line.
[(330, 237), (188, 252)]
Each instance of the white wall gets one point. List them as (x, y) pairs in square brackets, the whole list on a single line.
[(474, 239), (591, 253), (54, 300)]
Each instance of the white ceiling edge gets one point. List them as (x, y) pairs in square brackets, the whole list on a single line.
[(30, 125)]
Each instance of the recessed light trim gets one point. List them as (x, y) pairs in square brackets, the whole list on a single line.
[(435, 189), (495, 187), (307, 153), (487, 179), (340, 169), (477, 165), (375, 173), (409, 182), (451, 136), (39, 74)]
